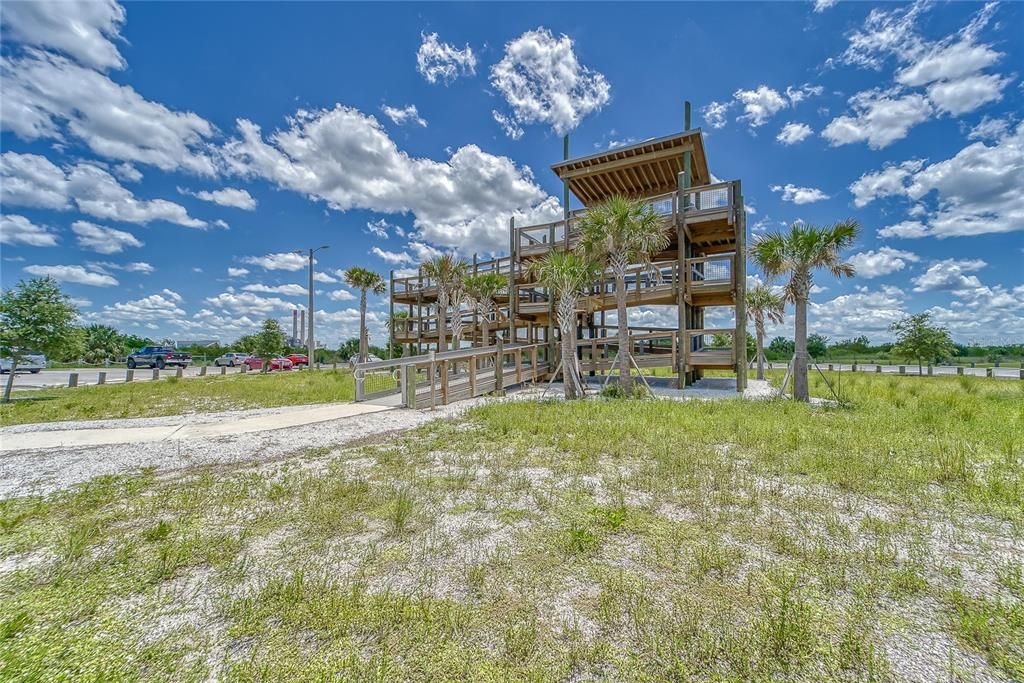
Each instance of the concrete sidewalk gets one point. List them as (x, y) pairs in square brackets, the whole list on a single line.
[(71, 438)]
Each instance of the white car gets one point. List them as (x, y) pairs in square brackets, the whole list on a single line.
[(33, 362), (370, 358), (231, 359)]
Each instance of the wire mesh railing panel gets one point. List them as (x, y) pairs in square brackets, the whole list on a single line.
[(718, 270), (381, 382)]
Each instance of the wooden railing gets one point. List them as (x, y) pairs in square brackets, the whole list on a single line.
[(711, 346), (439, 378), (710, 271)]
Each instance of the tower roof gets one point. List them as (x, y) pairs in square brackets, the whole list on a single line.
[(644, 169)]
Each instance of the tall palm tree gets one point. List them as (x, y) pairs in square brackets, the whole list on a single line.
[(763, 303), (482, 289), (447, 273), (620, 232), (798, 253), (566, 275), (364, 280)]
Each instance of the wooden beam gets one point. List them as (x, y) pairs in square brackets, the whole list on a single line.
[(647, 157)]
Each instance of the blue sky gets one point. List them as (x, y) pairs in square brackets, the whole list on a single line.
[(162, 159)]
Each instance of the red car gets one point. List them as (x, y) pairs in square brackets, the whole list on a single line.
[(298, 359), (255, 363)]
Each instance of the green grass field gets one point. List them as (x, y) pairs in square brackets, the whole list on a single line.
[(614, 540), (172, 396)]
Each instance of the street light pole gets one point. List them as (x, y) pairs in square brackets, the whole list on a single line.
[(310, 343)]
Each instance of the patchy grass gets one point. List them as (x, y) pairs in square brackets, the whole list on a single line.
[(615, 540), (172, 396)]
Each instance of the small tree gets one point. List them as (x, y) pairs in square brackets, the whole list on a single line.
[(917, 339), (780, 347), (364, 280), (566, 275), (269, 342), (763, 303), (798, 253), (35, 317), (482, 290), (619, 232)]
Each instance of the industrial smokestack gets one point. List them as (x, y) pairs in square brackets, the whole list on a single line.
[(295, 323), (303, 325)]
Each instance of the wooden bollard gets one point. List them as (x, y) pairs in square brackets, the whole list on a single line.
[(129, 376), (959, 369), (878, 368), (202, 371), (156, 373), (180, 373), (101, 378), (930, 370), (854, 368), (1021, 371), (499, 368), (903, 369), (72, 380), (830, 367), (334, 365), (224, 369), (988, 372)]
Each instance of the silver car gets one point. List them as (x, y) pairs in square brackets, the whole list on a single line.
[(31, 362), (231, 359)]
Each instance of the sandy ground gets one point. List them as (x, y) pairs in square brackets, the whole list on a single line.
[(45, 470)]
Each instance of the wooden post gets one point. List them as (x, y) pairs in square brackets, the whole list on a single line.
[(180, 373), (519, 366), (903, 369), (739, 274), (72, 380), (929, 369), (224, 369), (533, 362), (444, 382), (472, 377), (513, 295), (129, 375), (156, 373), (202, 371), (960, 370), (878, 368), (101, 378), (499, 369), (433, 373), (988, 372)]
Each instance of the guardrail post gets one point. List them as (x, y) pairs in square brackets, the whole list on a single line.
[(72, 380), (202, 371), (180, 373), (360, 377), (499, 369), (156, 373), (959, 369), (101, 378), (988, 372), (129, 376)]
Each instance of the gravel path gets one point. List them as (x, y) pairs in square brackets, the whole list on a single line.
[(44, 471)]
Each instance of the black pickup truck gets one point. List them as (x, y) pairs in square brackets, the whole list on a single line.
[(158, 357)]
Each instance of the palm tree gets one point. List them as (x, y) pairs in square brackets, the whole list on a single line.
[(447, 272), (763, 302), (102, 343), (482, 289), (364, 280), (566, 275), (798, 253), (620, 232)]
